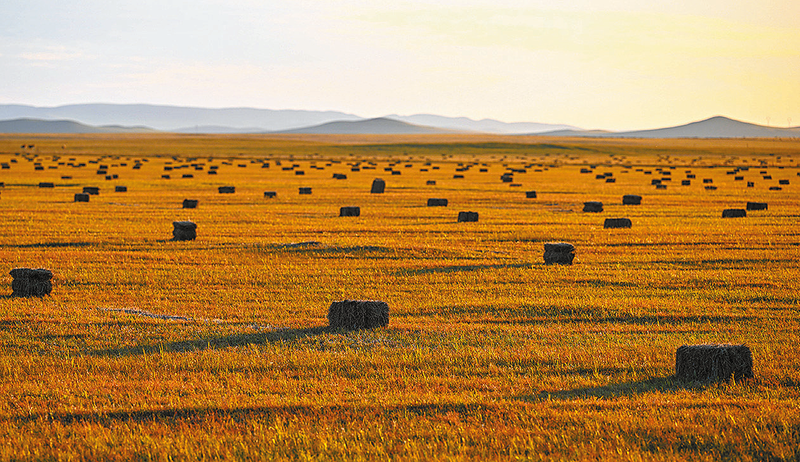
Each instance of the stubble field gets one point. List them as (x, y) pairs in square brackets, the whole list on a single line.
[(153, 349)]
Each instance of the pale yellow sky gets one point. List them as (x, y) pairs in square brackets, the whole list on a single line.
[(612, 64)]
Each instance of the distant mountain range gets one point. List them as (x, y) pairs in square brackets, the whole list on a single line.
[(715, 127), (137, 118)]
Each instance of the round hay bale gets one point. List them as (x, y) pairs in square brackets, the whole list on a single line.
[(120, 189), (756, 206), (304, 191), (458, 177), (339, 176), (713, 362), (187, 175), (612, 223), (212, 172), (30, 282), (378, 186), (775, 188), (358, 314), (611, 180), (437, 202), (686, 182), (226, 189), (184, 231), (631, 199), (270, 194), (46, 184), (81, 197), (734, 213), (467, 217), (711, 188), (783, 181), (190, 203), (93, 190), (530, 194), (593, 207), (707, 180), (559, 253), (431, 182), (349, 211)]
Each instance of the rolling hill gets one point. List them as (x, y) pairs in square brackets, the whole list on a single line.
[(378, 126), (714, 127), (63, 126)]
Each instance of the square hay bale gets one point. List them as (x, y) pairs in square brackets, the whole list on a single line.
[(339, 176), (270, 194), (431, 182), (559, 253), (530, 194), (593, 207), (304, 191), (467, 217), (686, 182), (437, 202), (612, 223), (358, 314), (226, 189), (631, 199), (756, 206), (190, 203), (30, 282), (378, 186), (120, 189), (45, 184), (350, 211), (713, 362), (734, 213), (184, 231), (81, 197)]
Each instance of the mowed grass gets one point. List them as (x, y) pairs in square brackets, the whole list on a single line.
[(219, 348)]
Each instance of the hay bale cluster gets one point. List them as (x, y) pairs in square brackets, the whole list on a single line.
[(713, 362), (30, 282), (350, 211), (559, 253), (184, 231), (467, 217), (612, 223), (358, 314), (593, 207), (378, 186), (734, 213)]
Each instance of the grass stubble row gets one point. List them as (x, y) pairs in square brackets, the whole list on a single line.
[(219, 347)]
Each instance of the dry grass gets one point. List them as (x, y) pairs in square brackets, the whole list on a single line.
[(219, 347)]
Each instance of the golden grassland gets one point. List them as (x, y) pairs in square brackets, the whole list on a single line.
[(151, 349)]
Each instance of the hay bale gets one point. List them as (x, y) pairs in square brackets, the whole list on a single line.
[(339, 176), (559, 253), (45, 184), (358, 314), (631, 199), (270, 194), (184, 231), (81, 197), (611, 223), (775, 188), (378, 186), (711, 188), (593, 207), (431, 182), (467, 217), (29, 282), (783, 181), (120, 189), (304, 191), (530, 194), (350, 211), (686, 182), (751, 184), (756, 206), (226, 189), (611, 180), (190, 203), (734, 213), (713, 363), (93, 190), (437, 202)]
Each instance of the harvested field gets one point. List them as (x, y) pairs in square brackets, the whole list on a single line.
[(490, 353)]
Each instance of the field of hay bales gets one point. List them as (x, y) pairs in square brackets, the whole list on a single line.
[(151, 348)]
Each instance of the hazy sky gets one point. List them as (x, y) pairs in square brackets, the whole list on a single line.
[(613, 64)]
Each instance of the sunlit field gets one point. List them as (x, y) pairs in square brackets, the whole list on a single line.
[(153, 349)]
